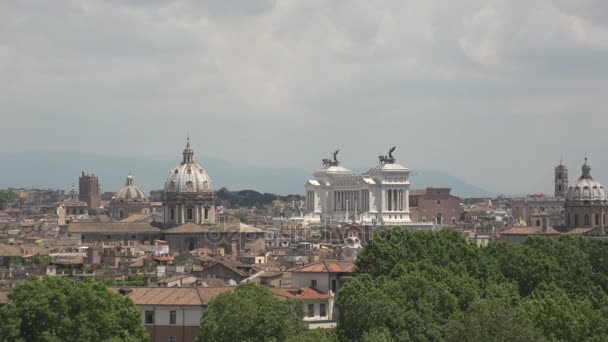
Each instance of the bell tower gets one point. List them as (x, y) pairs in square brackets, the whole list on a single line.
[(561, 180)]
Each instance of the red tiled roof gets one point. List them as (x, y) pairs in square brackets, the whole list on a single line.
[(9, 251), (186, 296), (326, 266), (530, 231), (303, 293), (579, 231)]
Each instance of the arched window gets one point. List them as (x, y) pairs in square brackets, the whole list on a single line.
[(439, 219), (587, 221)]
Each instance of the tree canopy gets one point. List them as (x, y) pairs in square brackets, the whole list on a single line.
[(57, 309), (420, 286), (251, 313)]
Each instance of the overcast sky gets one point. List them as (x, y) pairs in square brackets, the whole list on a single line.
[(488, 91)]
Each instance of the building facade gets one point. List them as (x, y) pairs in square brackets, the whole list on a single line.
[(435, 205), (539, 210), (89, 191), (378, 197)]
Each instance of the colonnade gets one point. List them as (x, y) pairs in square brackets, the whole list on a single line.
[(351, 200), (395, 200), (185, 213)]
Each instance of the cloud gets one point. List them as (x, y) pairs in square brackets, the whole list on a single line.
[(248, 77)]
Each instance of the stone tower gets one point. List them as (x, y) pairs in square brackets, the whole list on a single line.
[(561, 180), (88, 190)]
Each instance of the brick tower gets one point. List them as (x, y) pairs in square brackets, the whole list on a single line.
[(88, 190)]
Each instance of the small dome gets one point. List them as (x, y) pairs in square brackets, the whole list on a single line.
[(586, 188), (131, 191), (188, 177)]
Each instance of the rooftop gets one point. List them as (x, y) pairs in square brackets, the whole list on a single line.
[(326, 266)]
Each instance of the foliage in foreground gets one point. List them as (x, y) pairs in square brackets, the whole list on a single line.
[(420, 286), (57, 309), (251, 313)]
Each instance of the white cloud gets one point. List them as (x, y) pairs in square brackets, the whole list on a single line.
[(287, 75)]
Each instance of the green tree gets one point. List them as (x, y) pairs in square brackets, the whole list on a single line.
[(7, 197), (316, 335), (392, 247), (57, 309), (490, 321), (562, 318), (377, 335), (251, 313)]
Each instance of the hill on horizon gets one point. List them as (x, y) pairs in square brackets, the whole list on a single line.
[(61, 169)]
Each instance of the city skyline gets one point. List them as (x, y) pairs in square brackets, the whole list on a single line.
[(489, 92)]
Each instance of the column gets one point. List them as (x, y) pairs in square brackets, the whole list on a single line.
[(395, 206), (183, 211)]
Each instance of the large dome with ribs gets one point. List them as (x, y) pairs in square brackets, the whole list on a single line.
[(586, 187), (188, 177), (131, 192)]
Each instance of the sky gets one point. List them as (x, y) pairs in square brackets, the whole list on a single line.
[(490, 91)]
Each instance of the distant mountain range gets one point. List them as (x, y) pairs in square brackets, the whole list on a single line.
[(61, 169)]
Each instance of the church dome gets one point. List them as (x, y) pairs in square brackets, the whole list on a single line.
[(131, 192), (188, 177), (586, 187)]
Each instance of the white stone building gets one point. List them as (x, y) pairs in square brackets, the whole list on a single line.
[(188, 195), (379, 197)]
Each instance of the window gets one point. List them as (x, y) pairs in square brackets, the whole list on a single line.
[(149, 317), (438, 202), (206, 213), (322, 311), (334, 285), (172, 317), (189, 214), (576, 220), (172, 339), (597, 219), (172, 213), (313, 283), (311, 310), (587, 223)]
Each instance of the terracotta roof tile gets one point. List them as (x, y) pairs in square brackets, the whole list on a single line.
[(302, 293), (326, 266), (8, 250)]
